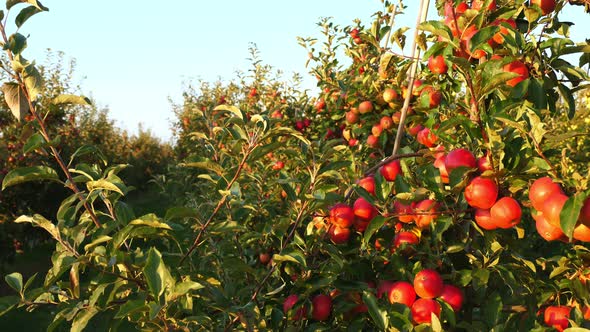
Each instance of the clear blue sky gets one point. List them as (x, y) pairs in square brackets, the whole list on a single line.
[(135, 54)]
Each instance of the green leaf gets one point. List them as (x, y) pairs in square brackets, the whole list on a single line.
[(290, 255), (33, 81), (150, 220), (16, 44), (567, 95), (103, 184), (71, 99), (97, 241), (482, 37), (156, 273), (82, 319), (36, 3), (437, 28), (27, 174), (16, 100), (130, 307), (492, 309), (379, 316), (184, 287), (25, 14), (40, 221), (373, 226), (232, 109), (15, 281), (88, 149), (205, 164), (34, 142), (570, 213), (180, 212)]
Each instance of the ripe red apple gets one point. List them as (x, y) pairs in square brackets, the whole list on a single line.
[(368, 183), (389, 95), (376, 130), (546, 230), (506, 212), (466, 42), (405, 238), (339, 235), (518, 68), (557, 317), (289, 303), (547, 6), (498, 38), (354, 33), (540, 190), (552, 208), (391, 170), (415, 129), (321, 307), (459, 158), (279, 165), (439, 163), (405, 212), (342, 215), (437, 64), (426, 137), (320, 104), (484, 220), (365, 107), (434, 96), (386, 122), (423, 309), (372, 141), (428, 284), (352, 117), (582, 229), (364, 210), (264, 258), (483, 164), (478, 5), (426, 212), (481, 193), (402, 292), (453, 296)]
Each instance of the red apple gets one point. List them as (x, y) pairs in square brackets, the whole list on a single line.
[(428, 284), (339, 235), (372, 141), (540, 190), (423, 309), (582, 229), (405, 238), (321, 307), (434, 96), (389, 95), (478, 5), (365, 107), (499, 36), (546, 230), (352, 117), (459, 158), (426, 137), (547, 6), (320, 104), (391, 170), (481, 193), (483, 164), (506, 212), (364, 210), (405, 212), (557, 317), (368, 183), (437, 64), (453, 296), (289, 303), (466, 42), (519, 68), (552, 208), (402, 292), (426, 213), (484, 220), (342, 215), (386, 122), (377, 130)]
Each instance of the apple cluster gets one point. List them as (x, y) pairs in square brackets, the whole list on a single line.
[(548, 199)]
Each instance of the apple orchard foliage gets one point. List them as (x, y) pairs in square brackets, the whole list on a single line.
[(290, 219)]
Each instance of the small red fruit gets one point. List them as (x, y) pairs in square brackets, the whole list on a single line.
[(320, 104), (437, 64), (506, 212), (483, 164), (481, 193), (339, 235), (352, 117), (426, 137), (290, 303), (428, 284), (466, 42), (391, 170), (552, 208), (402, 292), (519, 68), (405, 238), (405, 213), (459, 158), (279, 165), (264, 258), (321, 307), (368, 183), (547, 6), (426, 212), (377, 130), (389, 95), (557, 317), (386, 122), (364, 210), (453, 296), (484, 220), (540, 190), (372, 141), (342, 215), (423, 309), (365, 107)]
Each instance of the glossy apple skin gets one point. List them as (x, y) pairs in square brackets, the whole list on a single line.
[(402, 292), (552, 207), (342, 215), (405, 238), (453, 296), (481, 193), (557, 317), (368, 183), (339, 235), (459, 158), (484, 220), (547, 6), (289, 303), (506, 212), (546, 230), (518, 68), (426, 213), (391, 170), (321, 307), (422, 310), (437, 65), (428, 284), (540, 190), (364, 210)]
